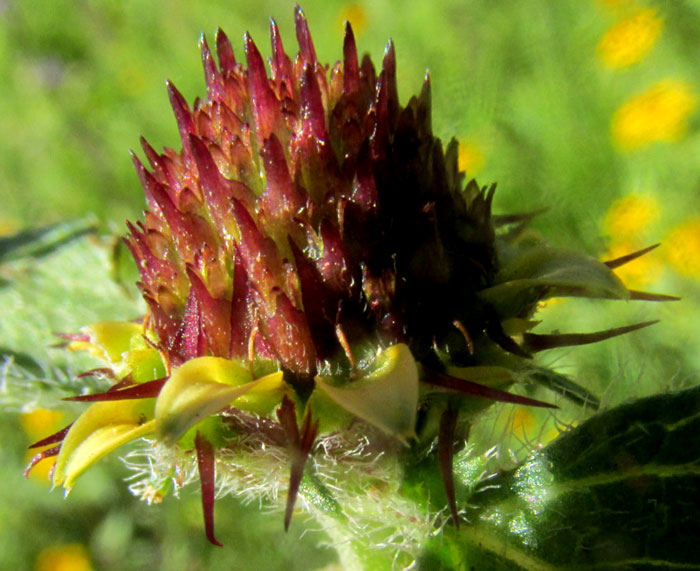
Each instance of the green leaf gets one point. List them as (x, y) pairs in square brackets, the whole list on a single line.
[(67, 288), (35, 242), (553, 272), (562, 385), (618, 492)]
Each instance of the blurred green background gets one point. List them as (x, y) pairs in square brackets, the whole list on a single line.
[(587, 107)]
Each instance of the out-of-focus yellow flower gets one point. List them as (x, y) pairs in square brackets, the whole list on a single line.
[(630, 215), (659, 114), (356, 14), (630, 40), (37, 424), (470, 157), (522, 421), (41, 472), (8, 226), (683, 248), (525, 425), (70, 557)]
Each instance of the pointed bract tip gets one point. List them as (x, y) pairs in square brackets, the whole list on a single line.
[(176, 98), (535, 342), (224, 50), (147, 147), (306, 44), (209, 66), (139, 166), (349, 41), (276, 43), (648, 296), (389, 48), (251, 49), (274, 33), (617, 262), (206, 465), (448, 427), (426, 89)]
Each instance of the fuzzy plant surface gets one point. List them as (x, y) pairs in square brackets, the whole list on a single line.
[(331, 307)]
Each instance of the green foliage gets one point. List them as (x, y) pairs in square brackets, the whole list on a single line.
[(55, 281), (618, 492)]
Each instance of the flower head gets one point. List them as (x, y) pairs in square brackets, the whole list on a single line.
[(313, 261)]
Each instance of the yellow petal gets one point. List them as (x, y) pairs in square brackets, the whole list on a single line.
[(102, 428), (122, 345), (387, 397), (265, 394), (113, 338), (203, 387)]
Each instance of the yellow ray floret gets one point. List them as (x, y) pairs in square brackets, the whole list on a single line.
[(122, 346), (387, 397), (103, 427), (203, 387)]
